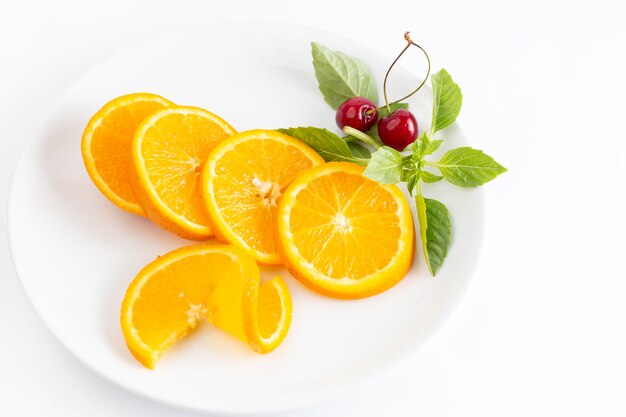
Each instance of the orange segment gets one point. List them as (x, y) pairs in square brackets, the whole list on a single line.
[(243, 180), (343, 234), (107, 141), (216, 282), (168, 151)]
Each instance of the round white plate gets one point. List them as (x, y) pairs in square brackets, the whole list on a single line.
[(76, 253)]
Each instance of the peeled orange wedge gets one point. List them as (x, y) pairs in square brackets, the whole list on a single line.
[(216, 282), (243, 180), (107, 141), (343, 234), (168, 151)]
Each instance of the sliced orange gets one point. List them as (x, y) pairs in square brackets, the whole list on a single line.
[(243, 180), (216, 282), (168, 152), (343, 234), (106, 145)]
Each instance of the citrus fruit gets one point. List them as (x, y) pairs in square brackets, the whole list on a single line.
[(210, 281), (243, 180), (106, 145), (168, 151), (343, 234)]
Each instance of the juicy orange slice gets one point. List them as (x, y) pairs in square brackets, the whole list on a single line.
[(216, 282), (168, 151), (343, 234), (106, 145), (243, 180)]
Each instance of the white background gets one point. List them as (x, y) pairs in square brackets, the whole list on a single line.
[(543, 329)]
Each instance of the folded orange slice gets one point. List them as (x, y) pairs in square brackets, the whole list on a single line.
[(343, 234), (216, 282)]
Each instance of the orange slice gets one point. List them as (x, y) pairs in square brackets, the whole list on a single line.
[(243, 180), (106, 145), (168, 152), (343, 234), (216, 282)]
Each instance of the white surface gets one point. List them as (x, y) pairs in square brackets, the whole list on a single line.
[(88, 251), (542, 329)]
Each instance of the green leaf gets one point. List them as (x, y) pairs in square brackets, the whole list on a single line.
[(359, 151), (419, 146), (411, 181), (429, 177), (330, 146), (385, 166), (383, 112), (467, 167), (435, 231), (341, 77), (447, 100), (433, 147)]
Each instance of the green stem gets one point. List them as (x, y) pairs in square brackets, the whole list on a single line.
[(364, 137), (431, 164)]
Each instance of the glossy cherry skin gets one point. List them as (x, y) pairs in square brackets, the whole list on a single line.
[(398, 130), (358, 113)]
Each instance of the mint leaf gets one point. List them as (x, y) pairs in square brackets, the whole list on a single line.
[(383, 112), (385, 166), (359, 151), (435, 231), (447, 100), (341, 77), (411, 181), (429, 177), (468, 167), (433, 147), (330, 146), (419, 147)]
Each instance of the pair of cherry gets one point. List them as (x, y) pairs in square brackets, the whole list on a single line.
[(399, 128)]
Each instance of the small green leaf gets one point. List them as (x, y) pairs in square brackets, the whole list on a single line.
[(419, 147), (341, 77), (385, 166), (468, 167), (411, 182), (433, 147), (429, 177), (383, 112), (447, 100), (359, 151), (435, 231), (330, 146)]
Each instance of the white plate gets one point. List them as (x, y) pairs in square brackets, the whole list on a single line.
[(76, 253)]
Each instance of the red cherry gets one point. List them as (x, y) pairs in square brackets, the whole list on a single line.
[(398, 130), (358, 113)]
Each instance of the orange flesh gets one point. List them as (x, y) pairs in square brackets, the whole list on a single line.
[(249, 179), (173, 151), (345, 225)]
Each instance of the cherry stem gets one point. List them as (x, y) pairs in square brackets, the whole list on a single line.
[(407, 36), (364, 137)]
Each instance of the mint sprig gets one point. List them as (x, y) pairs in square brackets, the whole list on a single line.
[(342, 77)]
